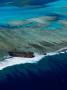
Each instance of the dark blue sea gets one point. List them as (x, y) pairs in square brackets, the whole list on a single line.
[(50, 73)]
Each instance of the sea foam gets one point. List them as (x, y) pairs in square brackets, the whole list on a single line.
[(11, 61), (19, 60)]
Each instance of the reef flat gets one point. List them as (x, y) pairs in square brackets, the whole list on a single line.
[(42, 34), (26, 29)]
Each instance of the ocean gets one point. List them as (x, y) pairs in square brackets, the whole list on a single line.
[(40, 29), (48, 73)]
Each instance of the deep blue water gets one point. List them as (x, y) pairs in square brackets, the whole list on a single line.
[(50, 73)]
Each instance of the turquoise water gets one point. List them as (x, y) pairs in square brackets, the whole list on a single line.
[(8, 13)]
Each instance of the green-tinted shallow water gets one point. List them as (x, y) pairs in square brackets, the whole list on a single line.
[(39, 30)]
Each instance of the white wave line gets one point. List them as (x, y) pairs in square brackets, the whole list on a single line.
[(21, 60)]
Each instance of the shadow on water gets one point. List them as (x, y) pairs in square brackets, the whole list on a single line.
[(27, 2)]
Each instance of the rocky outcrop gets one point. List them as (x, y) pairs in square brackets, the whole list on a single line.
[(21, 54)]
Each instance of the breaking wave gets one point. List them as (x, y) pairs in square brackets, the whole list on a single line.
[(11, 61)]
